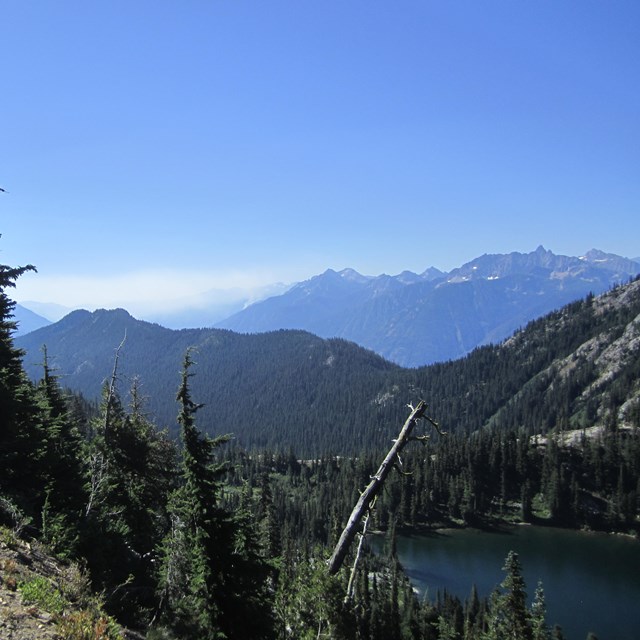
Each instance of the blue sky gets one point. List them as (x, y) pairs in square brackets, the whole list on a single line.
[(154, 150)]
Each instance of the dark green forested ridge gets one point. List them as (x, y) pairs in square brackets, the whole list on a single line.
[(196, 537), (276, 389), (574, 368)]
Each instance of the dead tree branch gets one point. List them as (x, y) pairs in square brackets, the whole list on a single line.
[(354, 568), (373, 488), (112, 387)]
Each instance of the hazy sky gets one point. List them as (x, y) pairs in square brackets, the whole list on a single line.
[(152, 150)]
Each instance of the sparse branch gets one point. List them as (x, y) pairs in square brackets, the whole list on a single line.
[(97, 478), (112, 385), (363, 533), (374, 487)]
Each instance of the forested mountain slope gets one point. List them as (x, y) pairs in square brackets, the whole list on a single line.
[(285, 388), (577, 367), (574, 368)]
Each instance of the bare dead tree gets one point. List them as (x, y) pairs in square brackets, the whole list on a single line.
[(112, 386), (367, 497), (354, 568), (97, 480), (98, 463)]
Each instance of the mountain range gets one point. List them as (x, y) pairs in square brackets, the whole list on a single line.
[(417, 319), (575, 368), (409, 319)]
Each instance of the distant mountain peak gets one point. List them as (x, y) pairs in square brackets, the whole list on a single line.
[(353, 275), (118, 312), (409, 277), (595, 255), (78, 313), (418, 319), (610, 261), (431, 274)]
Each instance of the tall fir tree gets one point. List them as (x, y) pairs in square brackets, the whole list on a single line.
[(539, 629), (509, 616), (213, 582), (20, 431), (131, 471), (62, 467)]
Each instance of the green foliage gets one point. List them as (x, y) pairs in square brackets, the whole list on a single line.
[(11, 514), (60, 467), (539, 629), (213, 578), (513, 616), (20, 433), (7, 537), (58, 534), (130, 473), (43, 593), (310, 603)]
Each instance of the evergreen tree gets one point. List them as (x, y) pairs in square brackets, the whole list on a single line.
[(20, 431), (104, 531), (213, 582), (539, 629), (61, 465), (131, 469), (270, 530), (509, 615)]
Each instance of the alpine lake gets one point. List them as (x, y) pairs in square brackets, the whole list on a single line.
[(591, 580)]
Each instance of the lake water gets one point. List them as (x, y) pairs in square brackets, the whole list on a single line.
[(591, 581)]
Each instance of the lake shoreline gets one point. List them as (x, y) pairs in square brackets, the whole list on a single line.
[(496, 524), (589, 577)]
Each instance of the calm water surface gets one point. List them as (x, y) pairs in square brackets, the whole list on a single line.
[(591, 581)]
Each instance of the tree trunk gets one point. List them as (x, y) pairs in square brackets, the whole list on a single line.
[(373, 488)]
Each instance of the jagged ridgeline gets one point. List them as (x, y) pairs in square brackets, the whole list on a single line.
[(575, 368)]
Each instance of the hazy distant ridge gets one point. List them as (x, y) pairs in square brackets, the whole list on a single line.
[(416, 319), (28, 320)]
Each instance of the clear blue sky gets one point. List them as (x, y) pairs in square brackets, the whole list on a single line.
[(151, 149)]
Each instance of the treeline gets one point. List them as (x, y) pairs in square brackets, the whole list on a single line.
[(571, 480), (576, 479)]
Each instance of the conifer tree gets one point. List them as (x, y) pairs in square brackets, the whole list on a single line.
[(61, 465), (539, 627), (20, 433), (509, 617), (514, 603), (213, 581), (131, 470)]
